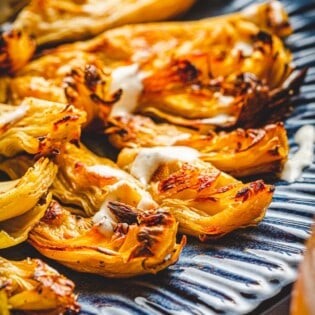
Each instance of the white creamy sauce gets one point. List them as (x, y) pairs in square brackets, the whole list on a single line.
[(128, 79), (149, 159), (245, 48), (105, 220), (305, 138), (225, 100), (12, 116), (221, 119), (107, 171), (277, 12)]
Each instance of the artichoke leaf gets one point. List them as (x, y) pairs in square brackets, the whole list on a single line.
[(53, 21), (15, 231), (25, 194), (30, 285), (38, 127)]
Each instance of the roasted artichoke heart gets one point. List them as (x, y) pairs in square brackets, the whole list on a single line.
[(241, 152), (32, 287), (205, 201), (21, 195), (122, 241), (38, 127), (52, 21), (85, 180), (221, 72)]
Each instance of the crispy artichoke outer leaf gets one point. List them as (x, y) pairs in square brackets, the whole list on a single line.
[(40, 127), (246, 152), (17, 199), (146, 246), (31, 285), (15, 231), (92, 17), (240, 206)]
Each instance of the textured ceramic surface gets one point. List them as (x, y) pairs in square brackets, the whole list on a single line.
[(237, 273)]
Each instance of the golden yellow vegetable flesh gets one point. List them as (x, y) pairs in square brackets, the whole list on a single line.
[(84, 180), (15, 230), (38, 127), (32, 287), (224, 72), (21, 195), (16, 49), (51, 21), (205, 201), (241, 152), (214, 89), (137, 241)]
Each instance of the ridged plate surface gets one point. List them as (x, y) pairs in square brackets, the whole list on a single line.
[(237, 273)]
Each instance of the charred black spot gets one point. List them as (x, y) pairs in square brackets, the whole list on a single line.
[(65, 119), (41, 139), (53, 212), (121, 132), (243, 194), (76, 142), (42, 200), (114, 98), (257, 186), (123, 212), (264, 37), (187, 71), (274, 151), (91, 76), (142, 251), (153, 219)]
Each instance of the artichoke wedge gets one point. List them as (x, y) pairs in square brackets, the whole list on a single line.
[(124, 241), (205, 201), (84, 180), (63, 20), (21, 195), (38, 127), (32, 287), (240, 153)]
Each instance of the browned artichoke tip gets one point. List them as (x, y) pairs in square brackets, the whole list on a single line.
[(135, 243), (16, 49), (32, 287)]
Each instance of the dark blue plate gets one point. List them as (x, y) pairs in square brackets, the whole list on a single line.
[(236, 274)]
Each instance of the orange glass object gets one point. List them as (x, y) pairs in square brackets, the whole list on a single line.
[(303, 296)]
